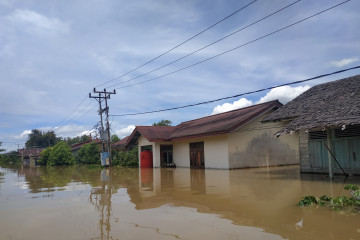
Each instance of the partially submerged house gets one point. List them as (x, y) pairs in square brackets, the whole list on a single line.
[(29, 157), (327, 120), (234, 139)]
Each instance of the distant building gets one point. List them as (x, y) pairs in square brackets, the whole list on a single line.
[(234, 139), (29, 157), (327, 116)]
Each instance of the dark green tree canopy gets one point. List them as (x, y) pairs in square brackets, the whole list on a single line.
[(60, 155), (41, 139), (1, 150), (115, 138), (76, 140), (163, 123)]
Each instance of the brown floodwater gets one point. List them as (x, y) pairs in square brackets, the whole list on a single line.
[(119, 203)]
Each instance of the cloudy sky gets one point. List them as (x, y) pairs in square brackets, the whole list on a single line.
[(53, 53)]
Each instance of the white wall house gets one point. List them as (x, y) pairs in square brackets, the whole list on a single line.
[(234, 139)]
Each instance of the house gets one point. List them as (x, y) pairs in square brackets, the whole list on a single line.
[(234, 139), (121, 145), (30, 156), (326, 119)]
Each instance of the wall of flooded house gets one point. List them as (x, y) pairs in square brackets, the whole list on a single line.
[(181, 154), (215, 152), (305, 164), (255, 145), (142, 141)]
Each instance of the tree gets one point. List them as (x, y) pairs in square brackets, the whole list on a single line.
[(163, 123), (40, 139), (1, 150), (61, 155), (45, 156), (88, 154), (115, 138), (76, 140)]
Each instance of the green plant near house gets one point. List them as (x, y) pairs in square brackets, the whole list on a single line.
[(44, 156), (60, 155), (126, 159), (336, 203), (88, 154)]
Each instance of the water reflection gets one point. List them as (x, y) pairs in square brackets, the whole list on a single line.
[(254, 201)]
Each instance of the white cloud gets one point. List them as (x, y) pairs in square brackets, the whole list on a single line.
[(39, 21), (71, 130), (344, 62), (283, 94), (242, 102), (23, 135), (124, 132)]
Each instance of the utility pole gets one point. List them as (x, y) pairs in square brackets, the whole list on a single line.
[(104, 134)]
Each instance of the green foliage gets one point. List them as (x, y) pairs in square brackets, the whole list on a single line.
[(127, 159), (76, 140), (45, 155), (334, 203), (163, 123), (10, 158), (115, 138), (40, 139), (60, 155), (88, 154), (1, 150)]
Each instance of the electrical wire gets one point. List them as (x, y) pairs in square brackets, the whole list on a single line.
[(237, 47), (182, 43), (72, 112), (238, 95), (202, 48)]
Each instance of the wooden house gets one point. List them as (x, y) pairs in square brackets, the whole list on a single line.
[(326, 120), (234, 139)]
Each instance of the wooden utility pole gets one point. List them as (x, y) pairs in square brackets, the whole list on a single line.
[(104, 134)]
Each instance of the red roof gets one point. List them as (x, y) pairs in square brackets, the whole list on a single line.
[(79, 145), (211, 125), (121, 142), (30, 152)]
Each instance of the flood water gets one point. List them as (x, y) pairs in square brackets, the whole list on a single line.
[(119, 203)]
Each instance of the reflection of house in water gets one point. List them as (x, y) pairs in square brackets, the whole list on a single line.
[(263, 198)]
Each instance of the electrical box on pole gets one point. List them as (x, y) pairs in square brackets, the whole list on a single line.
[(105, 136)]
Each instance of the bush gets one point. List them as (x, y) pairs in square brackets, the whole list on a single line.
[(44, 156), (60, 155), (127, 159), (88, 154)]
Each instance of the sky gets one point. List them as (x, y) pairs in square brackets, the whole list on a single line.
[(53, 53)]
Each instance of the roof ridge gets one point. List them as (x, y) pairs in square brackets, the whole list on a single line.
[(217, 114)]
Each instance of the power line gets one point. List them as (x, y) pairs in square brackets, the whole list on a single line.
[(238, 95), (201, 32), (72, 112), (202, 48), (237, 47)]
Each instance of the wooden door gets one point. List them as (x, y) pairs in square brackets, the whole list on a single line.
[(197, 159)]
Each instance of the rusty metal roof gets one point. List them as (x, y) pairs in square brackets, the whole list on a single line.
[(211, 125)]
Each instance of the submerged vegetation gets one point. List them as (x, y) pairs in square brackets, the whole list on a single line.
[(336, 203)]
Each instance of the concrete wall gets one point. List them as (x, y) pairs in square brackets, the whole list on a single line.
[(255, 145), (305, 165), (181, 154), (215, 152), (142, 141)]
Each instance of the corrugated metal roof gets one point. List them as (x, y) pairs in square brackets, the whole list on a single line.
[(211, 125)]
